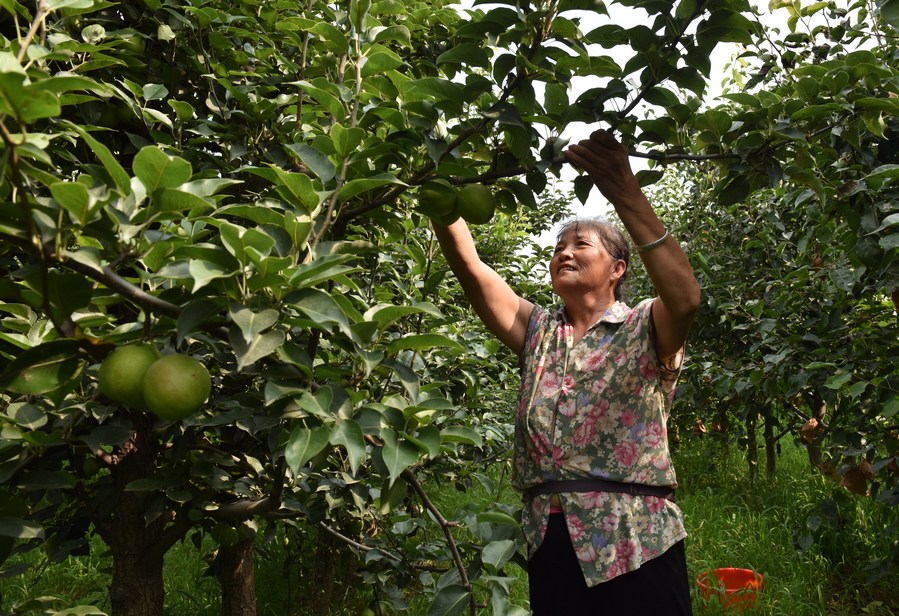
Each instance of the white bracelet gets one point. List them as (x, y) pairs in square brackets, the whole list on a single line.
[(655, 244)]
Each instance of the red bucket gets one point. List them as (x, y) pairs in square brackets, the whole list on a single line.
[(735, 588)]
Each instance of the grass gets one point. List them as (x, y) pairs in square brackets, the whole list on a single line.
[(731, 523), (735, 523)]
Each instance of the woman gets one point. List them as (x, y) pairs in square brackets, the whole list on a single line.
[(591, 453)]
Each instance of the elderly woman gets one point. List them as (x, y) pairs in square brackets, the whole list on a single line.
[(597, 380)]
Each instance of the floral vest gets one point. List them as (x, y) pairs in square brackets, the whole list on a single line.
[(598, 408)]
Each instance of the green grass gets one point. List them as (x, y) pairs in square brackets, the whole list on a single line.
[(735, 523), (731, 523)]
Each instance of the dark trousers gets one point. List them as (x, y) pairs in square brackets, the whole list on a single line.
[(557, 587)]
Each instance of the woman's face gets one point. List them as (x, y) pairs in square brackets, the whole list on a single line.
[(581, 262)]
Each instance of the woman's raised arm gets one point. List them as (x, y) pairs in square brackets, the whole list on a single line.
[(606, 162), (499, 307)]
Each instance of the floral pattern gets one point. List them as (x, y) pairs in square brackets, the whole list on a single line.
[(598, 408)]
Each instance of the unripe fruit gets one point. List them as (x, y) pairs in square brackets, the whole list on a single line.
[(122, 373), (175, 386), (225, 534), (476, 203), (436, 199)]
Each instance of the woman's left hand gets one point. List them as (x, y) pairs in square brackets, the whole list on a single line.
[(607, 163)]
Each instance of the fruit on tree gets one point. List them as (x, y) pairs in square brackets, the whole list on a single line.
[(225, 534), (175, 386), (122, 373), (436, 199), (476, 203)]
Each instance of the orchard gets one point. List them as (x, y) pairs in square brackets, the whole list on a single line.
[(224, 316)]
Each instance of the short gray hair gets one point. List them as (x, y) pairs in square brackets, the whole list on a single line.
[(611, 238)]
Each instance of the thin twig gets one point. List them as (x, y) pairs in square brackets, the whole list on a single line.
[(445, 525), (111, 279), (356, 544), (39, 18)]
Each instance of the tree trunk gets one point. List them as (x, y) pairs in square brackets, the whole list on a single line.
[(137, 561), (327, 556), (236, 573), (815, 435), (752, 452), (770, 445), (723, 427)]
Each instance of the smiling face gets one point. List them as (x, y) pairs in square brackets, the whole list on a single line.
[(581, 264)]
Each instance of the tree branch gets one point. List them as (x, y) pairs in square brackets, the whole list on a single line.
[(130, 292), (356, 544), (445, 525)]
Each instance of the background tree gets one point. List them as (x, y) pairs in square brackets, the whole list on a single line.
[(791, 214)]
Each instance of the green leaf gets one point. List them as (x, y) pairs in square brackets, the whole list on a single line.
[(348, 433), (392, 496), (194, 315), (26, 416), (582, 187), (468, 53), (203, 272), (27, 102), (452, 600), (685, 8), (423, 342), (110, 162), (56, 5), (497, 517), (20, 529), (331, 103), (428, 440), (74, 198), (407, 376), (838, 380), (346, 140), (69, 292), (889, 11), (461, 434), (81, 610), (808, 178), (174, 200), (358, 12), (363, 185), (320, 307), (43, 369), (398, 454), (257, 347), (400, 34), (333, 37), (380, 62), (303, 445), (386, 315), (498, 553), (317, 162), (321, 269), (155, 91), (884, 172), (889, 221), (252, 323), (725, 26), (156, 169), (732, 190), (297, 189)]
